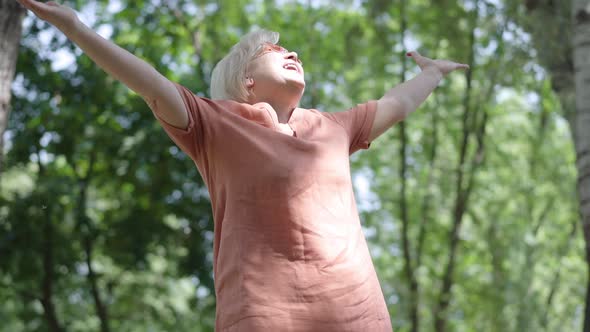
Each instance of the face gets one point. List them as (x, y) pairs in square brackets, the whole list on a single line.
[(274, 67)]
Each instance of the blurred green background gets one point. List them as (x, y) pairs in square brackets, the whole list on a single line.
[(470, 206)]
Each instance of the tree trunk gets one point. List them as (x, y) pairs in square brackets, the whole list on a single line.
[(11, 14), (532, 203), (571, 82), (403, 202), (48, 278), (460, 205), (544, 321), (47, 282), (581, 125), (101, 309), (88, 234)]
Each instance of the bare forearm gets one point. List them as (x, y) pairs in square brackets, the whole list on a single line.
[(160, 94), (405, 98), (411, 94), (138, 75)]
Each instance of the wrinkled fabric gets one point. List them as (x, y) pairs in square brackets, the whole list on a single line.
[(289, 253)]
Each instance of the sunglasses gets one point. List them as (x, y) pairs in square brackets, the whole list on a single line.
[(269, 47)]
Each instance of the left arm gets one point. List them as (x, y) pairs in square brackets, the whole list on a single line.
[(405, 98)]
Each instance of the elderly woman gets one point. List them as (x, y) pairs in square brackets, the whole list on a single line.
[(289, 251)]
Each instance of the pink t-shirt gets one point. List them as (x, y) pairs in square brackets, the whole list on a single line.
[(289, 253)]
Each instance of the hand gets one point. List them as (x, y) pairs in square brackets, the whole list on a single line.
[(60, 16), (442, 66)]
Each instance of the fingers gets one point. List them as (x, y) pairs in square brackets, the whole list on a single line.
[(27, 3), (417, 57), (23, 3), (413, 54), (420, 60), (444, 65), (31, 5), (47, 11)]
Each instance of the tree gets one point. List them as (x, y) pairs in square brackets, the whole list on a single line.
[(566, 54), (11, 15), (581, 124), (105, 224)]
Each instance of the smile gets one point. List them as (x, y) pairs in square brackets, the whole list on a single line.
[(291, 66)]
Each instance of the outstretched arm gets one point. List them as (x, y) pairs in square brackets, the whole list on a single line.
[(160, 94), (405, 98)]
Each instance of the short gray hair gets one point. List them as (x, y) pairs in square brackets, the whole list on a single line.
[(227, 79)]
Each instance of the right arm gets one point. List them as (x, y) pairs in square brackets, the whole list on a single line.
[(159, 93)]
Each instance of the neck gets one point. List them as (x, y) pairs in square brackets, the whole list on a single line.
[(284, 110), (283, 105)]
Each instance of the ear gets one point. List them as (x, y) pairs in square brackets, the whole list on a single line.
[(249, 82)]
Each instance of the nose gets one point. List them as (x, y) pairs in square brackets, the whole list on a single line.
[(293, 56)]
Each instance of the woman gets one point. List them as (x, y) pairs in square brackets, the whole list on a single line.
[(289, 252)]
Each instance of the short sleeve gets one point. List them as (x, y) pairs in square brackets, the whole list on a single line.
[(357, 122), (189, 140)]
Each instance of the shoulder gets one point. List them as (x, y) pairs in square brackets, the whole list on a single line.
[(312, 113)]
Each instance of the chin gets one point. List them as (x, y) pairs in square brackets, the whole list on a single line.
[(300, 82), (301, 87)]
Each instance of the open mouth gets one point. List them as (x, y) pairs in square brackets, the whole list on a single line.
[(291, 66)]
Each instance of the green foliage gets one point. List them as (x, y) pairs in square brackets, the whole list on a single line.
[(87, 163)]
